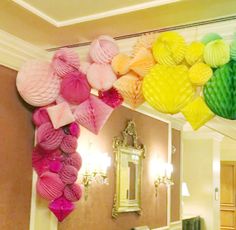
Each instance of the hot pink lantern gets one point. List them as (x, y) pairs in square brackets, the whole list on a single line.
[(64, 61), (74, 160), (55, 166), (61, 208), (73, 192), (93, 114), (74, 129), (49, 186), (48, 137), (68, 174), (101, 76), (40, 116), (69, 144), (111, 97), (103, 49), (75, 88), (37, 83)]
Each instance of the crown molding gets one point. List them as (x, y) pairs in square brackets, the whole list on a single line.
[(91, 17), (14, 51)]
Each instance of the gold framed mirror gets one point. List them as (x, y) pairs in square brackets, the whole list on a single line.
[(128, 164)]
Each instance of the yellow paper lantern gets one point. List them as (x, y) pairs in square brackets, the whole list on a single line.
[(200, 73), (197, 113), (168, 88), (130, 87), (120, 64), (194, 53), (169, 48), (142, 62)]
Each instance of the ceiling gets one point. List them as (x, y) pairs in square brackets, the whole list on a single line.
[(54, 23)]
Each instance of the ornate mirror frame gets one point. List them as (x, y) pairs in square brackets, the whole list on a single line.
[(121, 145)]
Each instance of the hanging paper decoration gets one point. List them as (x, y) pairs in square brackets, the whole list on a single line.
[(169, 48), (142, 62), (40, 116), (74, 129), (74, 160), (220, 91), (210, 37), (233, 50), (111, 97), (84, 66), (64, 61), (101, 76), (68, 174), (73, 192), (130, 87), (216, 53), (37, 83), (120, 64), (60, 100), (61, 208), (69, 144), (200, 73), (194, 53), (168, 88), (93, 114), (55, 166), (197, 113)]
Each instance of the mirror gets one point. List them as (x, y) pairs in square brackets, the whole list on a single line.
[(128, 155)]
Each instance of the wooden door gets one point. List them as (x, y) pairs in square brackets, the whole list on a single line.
[(227, 198)]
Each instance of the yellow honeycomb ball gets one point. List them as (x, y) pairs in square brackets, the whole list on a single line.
[(194, 53)]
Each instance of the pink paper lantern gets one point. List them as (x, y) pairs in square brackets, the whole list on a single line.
[(37, 83), (40, 116), (84, 66), (55, 166), (103, 49), (111, 97), (69, 144), (48, 137), (101, 76), (68, 174), (60, 100), (49, 186), (93, 114), (64, 61), (75, 88), (74, 160), (61, 208), (73, 192), (74, 129)]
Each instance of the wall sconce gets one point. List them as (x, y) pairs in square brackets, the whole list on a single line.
[(94, 169), (163, 176)]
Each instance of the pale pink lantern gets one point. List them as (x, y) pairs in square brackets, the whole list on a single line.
[(68, 174), (37, 83), (93, 114)]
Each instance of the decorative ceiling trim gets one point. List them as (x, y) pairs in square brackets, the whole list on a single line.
[(91, 17)]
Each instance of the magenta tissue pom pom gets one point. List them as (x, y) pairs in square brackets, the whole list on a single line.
[(49, 186), (75, 88), (74, 129), (68, 174), (55, 166), (73, 192), (74, 160), (69, 144), (40, 116)]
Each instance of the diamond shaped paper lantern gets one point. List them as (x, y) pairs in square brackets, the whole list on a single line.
[(60, 115), (61, 208), (93, 114), (130, 87), (197, 113)]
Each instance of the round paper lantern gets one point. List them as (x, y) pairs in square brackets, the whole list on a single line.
[(40, 116), (74, 160), (37, 83), (233, 50), (103, 49), (120, 64), (74, 129), (84, 66), (75, 88), (200, 73), (68, 174), (194, 53), (101, 76), (169, 48), (220, 91), (48, 137), (168, 88), (64, 61), (49, 186), (210, 37), (73, 192), (216, 53), (69, 144)]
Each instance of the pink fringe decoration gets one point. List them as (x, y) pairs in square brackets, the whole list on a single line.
[(74, 160), (69, 144), (68, 174), (73, 192)]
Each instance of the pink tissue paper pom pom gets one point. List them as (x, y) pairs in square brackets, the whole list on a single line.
[(74, 160), (68, 174), (74, 129), (61, 208), (40, 116), (55, 166), (75, 88), (69, 144), (101, 76), (64, 61), (73, 192), (111, 97), (49, 186), (48, 137)]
